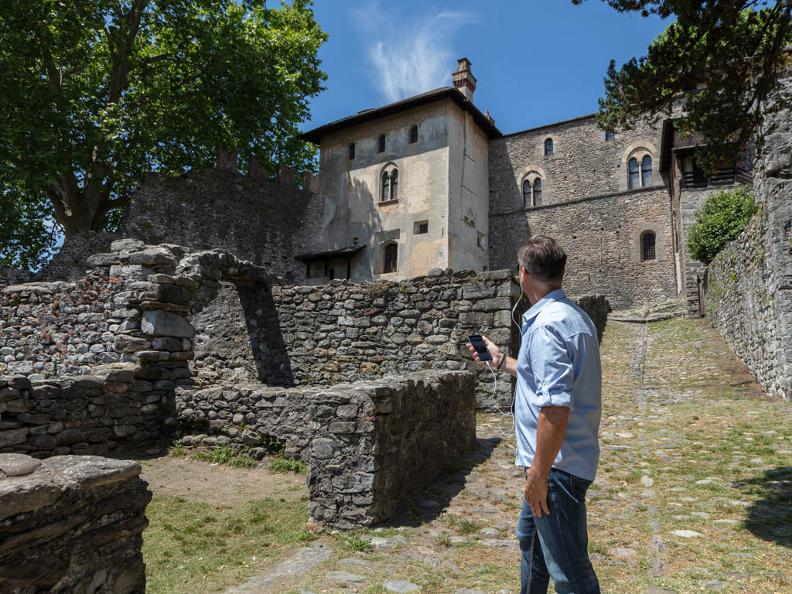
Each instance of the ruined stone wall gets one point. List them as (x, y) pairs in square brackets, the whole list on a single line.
[(91, 365), (254, 218), (749, 283), (368, 445), (117, 410), (71, 524), (341, 332), (602, 239)]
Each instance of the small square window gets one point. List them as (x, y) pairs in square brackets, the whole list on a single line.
[(413, 134), (420, 227), (610, 134), (351, 150), (381, 144)]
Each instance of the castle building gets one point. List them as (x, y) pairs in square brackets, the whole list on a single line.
[(430, 182)]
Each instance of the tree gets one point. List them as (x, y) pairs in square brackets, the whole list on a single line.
[(722, 218), (723, 56), (95, 93)]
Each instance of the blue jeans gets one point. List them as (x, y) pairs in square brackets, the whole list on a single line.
[(556, 545)]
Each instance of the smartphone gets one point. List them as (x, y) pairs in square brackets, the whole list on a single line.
[(480, 346)]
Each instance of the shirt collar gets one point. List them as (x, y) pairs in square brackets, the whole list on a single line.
[(534, 310)]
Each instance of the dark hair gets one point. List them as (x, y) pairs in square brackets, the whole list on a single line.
[(543, 257)]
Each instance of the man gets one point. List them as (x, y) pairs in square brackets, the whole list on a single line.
[(557, 414)]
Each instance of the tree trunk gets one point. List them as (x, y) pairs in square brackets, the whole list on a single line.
[(226, 159)]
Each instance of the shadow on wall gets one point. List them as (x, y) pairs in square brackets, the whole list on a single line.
[(511, 229), (269, 348), (428, 506), (770, 518), (238, 335)]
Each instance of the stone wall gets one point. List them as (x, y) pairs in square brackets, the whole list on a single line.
[(12, 276), (602, 237), (339, 332), (255, 218), (71, 524), (749, 284), (117, 410), (583, 163), (71, 262), (323, 335), (368, 445)]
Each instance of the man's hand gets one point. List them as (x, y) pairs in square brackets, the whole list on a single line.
[(494, 351), (536, 494)]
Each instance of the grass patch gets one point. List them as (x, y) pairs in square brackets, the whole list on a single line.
[(468, 527), (177, 451), (355, 543), (192, 546), (281, 463), (227, 455)]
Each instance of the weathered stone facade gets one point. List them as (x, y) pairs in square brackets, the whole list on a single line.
[(71, 524), (368, 445), (749, 283), (602, 238), (583, 162)]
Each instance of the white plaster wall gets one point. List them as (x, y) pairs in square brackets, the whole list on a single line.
[(351, 189), (468, 184)]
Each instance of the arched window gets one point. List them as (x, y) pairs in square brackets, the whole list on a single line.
[(646, 171), (381, 144), (390, 257), (414, 134), (537, 191), (647, 246), (632, 173), (526, 193), (548, 147), (394, 189), (385, 187)]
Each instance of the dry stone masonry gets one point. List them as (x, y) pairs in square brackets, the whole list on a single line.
[(71, 524), (161, 337), (749, 283), (368, 445)]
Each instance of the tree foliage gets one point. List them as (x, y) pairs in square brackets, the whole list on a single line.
[(724, 57), (722, 218), (95, 93)]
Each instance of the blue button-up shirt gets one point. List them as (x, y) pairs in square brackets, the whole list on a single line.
[(559, 365)]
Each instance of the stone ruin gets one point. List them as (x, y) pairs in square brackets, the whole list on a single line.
[(370, 385), (71, 524)]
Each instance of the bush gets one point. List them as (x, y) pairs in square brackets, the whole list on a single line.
[(722, 218)]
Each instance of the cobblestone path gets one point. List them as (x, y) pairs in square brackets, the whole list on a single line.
[(694, 491)]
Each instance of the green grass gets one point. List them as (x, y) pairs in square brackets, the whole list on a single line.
[(177, 451), (282, 464), (227, 455), (354, 542), (193, 546)]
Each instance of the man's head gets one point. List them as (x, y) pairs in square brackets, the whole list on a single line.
[(541, 265)]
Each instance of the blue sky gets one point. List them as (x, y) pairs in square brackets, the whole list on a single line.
[(536, 61)]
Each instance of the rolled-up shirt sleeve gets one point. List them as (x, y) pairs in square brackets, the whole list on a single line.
[(552, 368)]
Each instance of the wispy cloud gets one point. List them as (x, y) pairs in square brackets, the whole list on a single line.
[(409, 54)]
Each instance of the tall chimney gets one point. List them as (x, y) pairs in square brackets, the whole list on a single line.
[(463, 78)]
